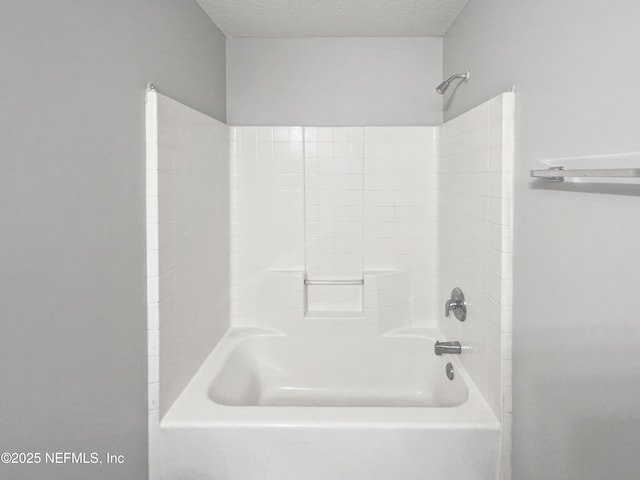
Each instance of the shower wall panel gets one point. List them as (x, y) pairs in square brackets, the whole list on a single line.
[(187, 244), (267, 215), (332, 203), (333, 207), (476, 192), (400, 197)]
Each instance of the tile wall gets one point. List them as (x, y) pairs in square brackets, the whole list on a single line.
[(400, 197), (267, 216), (476, 237), (188, 244), (333, 207), (333, 203)]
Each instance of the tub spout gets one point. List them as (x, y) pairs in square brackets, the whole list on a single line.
[(447, 347)]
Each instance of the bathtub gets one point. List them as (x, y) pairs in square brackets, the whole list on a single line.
[(335, 404)]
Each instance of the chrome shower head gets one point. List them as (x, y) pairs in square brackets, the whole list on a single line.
[(444, 85)]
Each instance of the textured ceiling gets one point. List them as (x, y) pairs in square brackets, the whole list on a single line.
[(333, 18)]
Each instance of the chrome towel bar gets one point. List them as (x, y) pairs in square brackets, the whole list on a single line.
[(558, 174), (358, 281)]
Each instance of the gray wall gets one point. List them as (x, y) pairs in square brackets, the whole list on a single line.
[(334, 81), (72, 287), (576, 357)]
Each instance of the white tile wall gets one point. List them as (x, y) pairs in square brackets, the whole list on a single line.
[(475, 212), (188, 247), (386, 299), (153, 166), (333, 202), (333, 173), (285, 290), (400, 210), (267, 215), (193, 241)]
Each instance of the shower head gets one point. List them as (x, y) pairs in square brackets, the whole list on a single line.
[(444, 85)]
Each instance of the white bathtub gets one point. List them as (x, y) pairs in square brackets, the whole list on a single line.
[(277, 371), (338, 405)]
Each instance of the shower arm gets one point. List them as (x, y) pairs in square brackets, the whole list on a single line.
[(458, 75)]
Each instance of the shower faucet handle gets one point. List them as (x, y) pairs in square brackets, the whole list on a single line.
[(456, 304), (452, 304)]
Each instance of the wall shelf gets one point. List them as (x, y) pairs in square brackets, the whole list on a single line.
[(558, 174)]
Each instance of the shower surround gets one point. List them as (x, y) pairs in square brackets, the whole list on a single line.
[(345, 244), (333, 204)]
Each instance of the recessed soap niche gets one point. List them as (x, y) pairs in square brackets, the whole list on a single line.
[(380, 298)]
